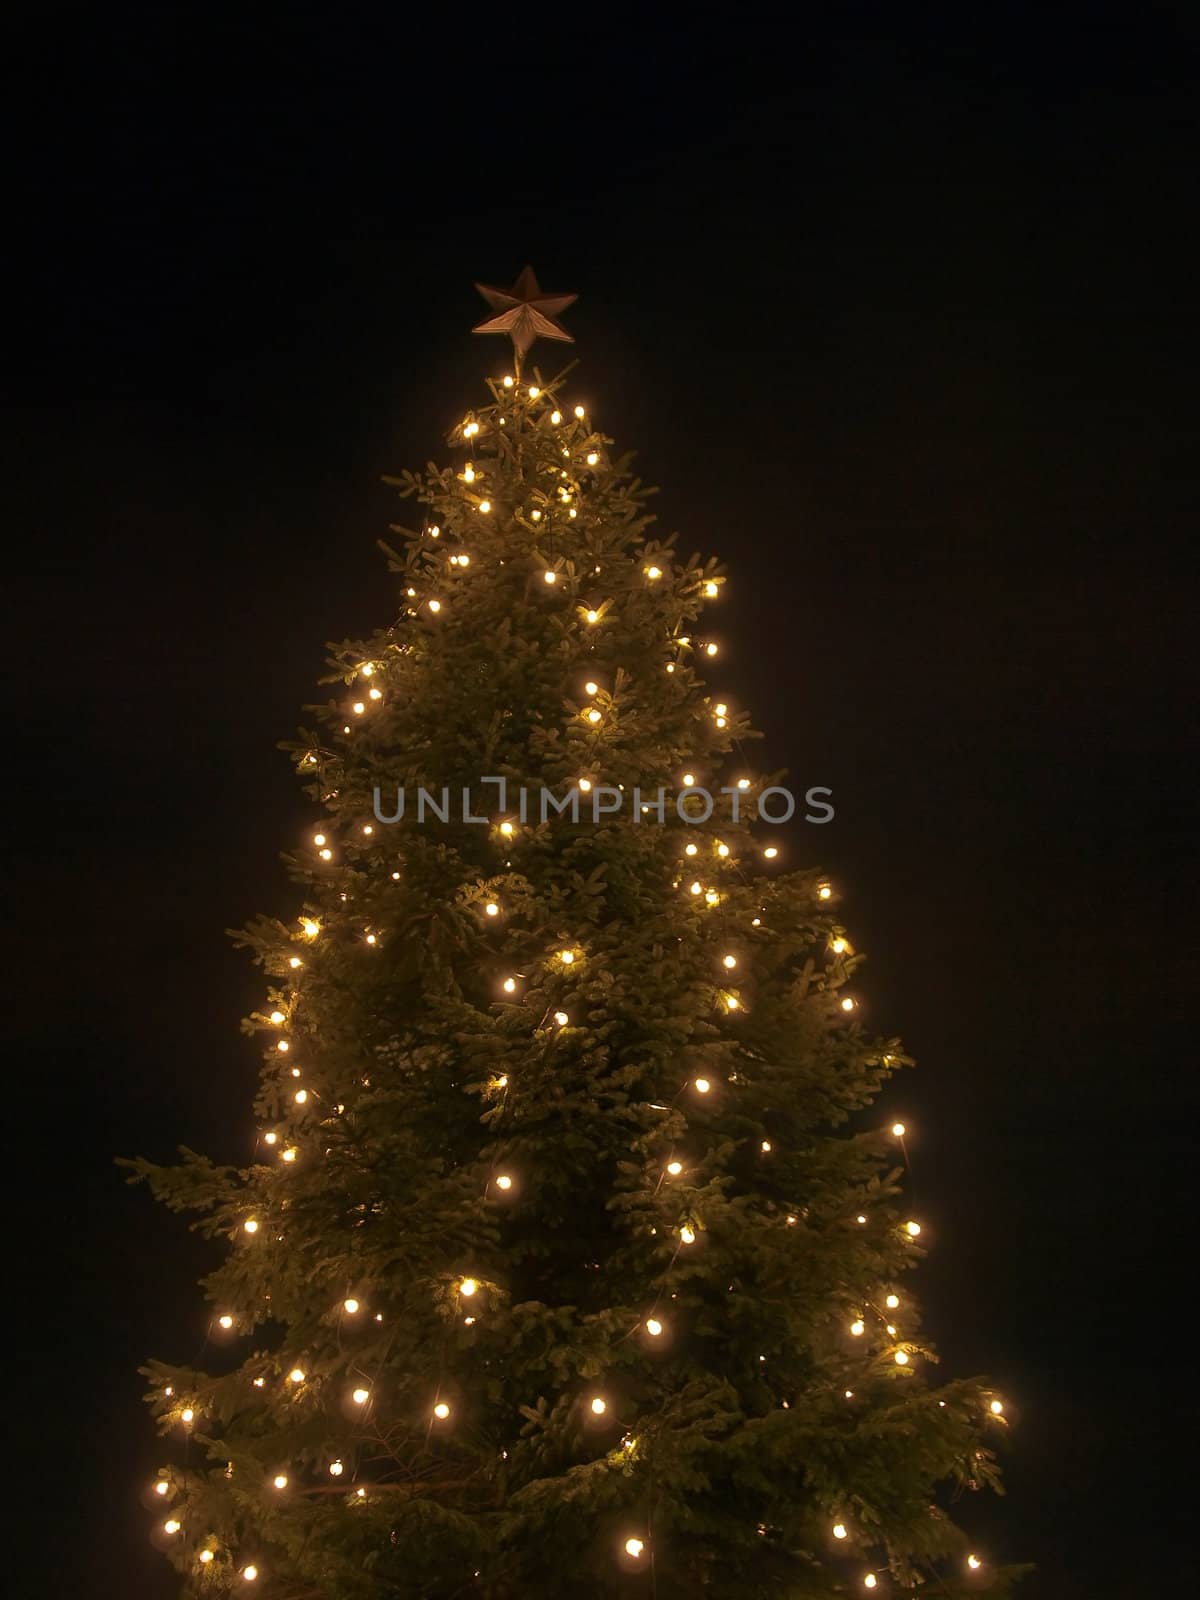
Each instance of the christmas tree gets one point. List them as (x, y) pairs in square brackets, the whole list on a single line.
[(566, 1259)]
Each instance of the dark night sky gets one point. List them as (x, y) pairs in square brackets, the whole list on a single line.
[(897, 317)]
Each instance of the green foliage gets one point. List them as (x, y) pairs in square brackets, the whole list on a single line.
[(462, 1192)]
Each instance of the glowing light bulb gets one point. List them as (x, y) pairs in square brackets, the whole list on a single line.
[(534, 392), (996, 1408), (556, 417), (898, 1129), (510, 985), (280, 1480), (591, 688), (550, 577), (731, 1004), (585, 785), (283, 1046), (358, 708), (536, 516), (206, 1556), (326, 855), (690, 849), (912, 1229), (506, 829), (508, 383), (504, 1181), (839, 1530), (469, 475), (251, 1225), (441, 1410), (634, 1547), (290, 1153), (701, 1085), (172, 1525), (162, 1486), (485, 506), (561, 1018), (770, 852), (711, 649), (901, 1358), (824, 892), (696, 888), (592, 458), (674, 1168), (311, 929), (839, 947), (361, 1396), (468, 1287), (336, 1468), (225, 1321), (654, 573), (435, 606), (653, 1327), (593, 616), (858, 1328), (710, 590), (350, 1307), (729, 961), (296, 1375), (300, 1097), (187, 1414), (689, 780), (687, 1234), (974, 1563), (599, 1406), (492, 909), (892, 1301), (847, 1004), (869, 1581), (566, 957), (579, 412)]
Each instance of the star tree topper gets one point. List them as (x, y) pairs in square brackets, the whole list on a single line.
[(524, 312)]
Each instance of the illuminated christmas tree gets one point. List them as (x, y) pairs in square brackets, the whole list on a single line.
[(569, 1258)]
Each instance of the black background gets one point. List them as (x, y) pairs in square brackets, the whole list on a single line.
[(895, 309)]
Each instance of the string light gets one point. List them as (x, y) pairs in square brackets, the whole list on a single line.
[(294, 962), (839, 947), (350, 1307), (187, 1414), (492, 909), (250, 1573), (858, 1328), (300, 1097), (997, 1408), (172, 1525), (579, 412), (251, 1225), (653, 1327), (729, 961), (674, 1168), (206, 1556), (593, 616), (435, 606), (310, 928), (690, 849), (510, 985), (847, 1004), (901, 1358), (441, 1410), (549, 576), (634, 1547), (336, 1468), (282, 1046), (770, 852), (869, 1580), (361, 1396), (913, 1229), (468, 1287), (599, 1406), (839, 1530), (654, 573), (824, 892), (296, 1375), (898, 1129), (280, 1480), (687, 1234), (225, 1321), (504, 1181), (290, 1153), (892, 1301), (711, 649), (561, 1018), (701, 1085), (162, 1487)]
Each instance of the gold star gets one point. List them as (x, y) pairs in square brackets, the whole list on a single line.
[(524, 312)]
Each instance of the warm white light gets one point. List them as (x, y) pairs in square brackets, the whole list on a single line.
[(506, 829), (599, 1406), (295, 961), (549, 577), (556, 417), (225, 1321), (674, 1168), (592, 458), (824, 892), (504, 1181), (566, 957), (336, 1468), (326, 855), (847, 1004), (729, 961), (206, 1556), (711, 649), (172, 1525), (731, 1004), (687, 1234), (996, 1408), (869, 1580), (510, 985), (898, 1129), (710, 590), (860, 1217), (839, 1530), (492, 909), (361, 1396), (468, 1287), (377, 694), (770, 852), (350, 1307), (251, 1225), (300, 1097), (591, 688), (289, 1154), (585, 785), (701, 1085), (912, 1229), (593, 616), (634, 1547), (441, 1410), (283, 1046), (974, 1563), (901, 1358), (358, 708), (892, 1301), (689, 780), (162, 1486), (579, 412), (561, 1018), (187, 1414), (593, 715), (858, 1328), (296, 1375), (280, 1480), (485, 506), (653, 1327), (696, 888), (310, 928), (508, 383), (690, 849), (534, 391), (435, 606), (653, 573)]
